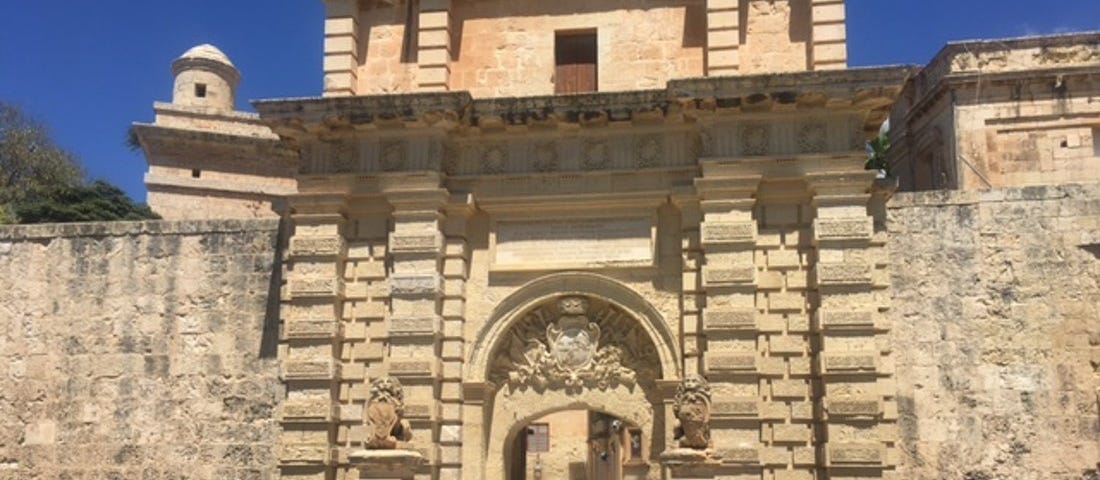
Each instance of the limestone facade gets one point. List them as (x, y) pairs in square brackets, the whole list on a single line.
[(1001, 113), (693, 253)]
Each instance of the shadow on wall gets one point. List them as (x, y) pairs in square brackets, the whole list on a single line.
[(269, 339)]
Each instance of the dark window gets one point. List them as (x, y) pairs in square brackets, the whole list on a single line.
[(538, 438), (196, 173), (200, 90), (575, 58)]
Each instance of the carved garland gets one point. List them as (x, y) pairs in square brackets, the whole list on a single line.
[(573, 351)]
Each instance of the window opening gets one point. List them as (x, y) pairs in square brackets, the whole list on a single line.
[(196, 173), (538, 438), (576, 62), (200, 90)]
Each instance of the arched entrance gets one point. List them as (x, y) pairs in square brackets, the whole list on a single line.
[(573, 342)]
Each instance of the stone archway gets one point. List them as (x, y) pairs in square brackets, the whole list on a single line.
[(570, 341)]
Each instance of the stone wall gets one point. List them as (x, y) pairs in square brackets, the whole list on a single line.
[(138, 351), (996, 333)]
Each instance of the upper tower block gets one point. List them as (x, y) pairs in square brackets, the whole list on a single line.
[(500, 48), (205, 78)]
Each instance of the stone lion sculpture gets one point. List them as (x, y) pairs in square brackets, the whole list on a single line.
[(385, 412), (692, 409)]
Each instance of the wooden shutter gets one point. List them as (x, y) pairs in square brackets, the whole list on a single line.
[(575, 56)]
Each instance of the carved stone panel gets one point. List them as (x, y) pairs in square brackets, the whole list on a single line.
[(573, 344)]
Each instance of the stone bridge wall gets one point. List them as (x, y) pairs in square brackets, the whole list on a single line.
[(138, 351), (997, 332)]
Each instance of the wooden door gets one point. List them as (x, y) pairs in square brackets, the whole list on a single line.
[(575, 57)]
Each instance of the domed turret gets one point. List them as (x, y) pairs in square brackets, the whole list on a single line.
[(205, 77)]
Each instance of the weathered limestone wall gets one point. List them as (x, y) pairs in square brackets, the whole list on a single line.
[(1001, 114), (506, 47), (995, 332), (138, 351)]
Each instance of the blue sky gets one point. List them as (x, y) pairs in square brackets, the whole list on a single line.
[(88, 68)]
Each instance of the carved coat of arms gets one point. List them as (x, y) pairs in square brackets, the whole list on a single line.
[(574, 339), (570, 356)]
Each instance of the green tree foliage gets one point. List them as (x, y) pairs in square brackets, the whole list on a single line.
[(40, 182), (30, 162), (97, 202)]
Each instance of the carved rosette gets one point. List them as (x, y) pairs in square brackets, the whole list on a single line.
[(393, 156), (756, 139), (692, 410), (567, 348), (546, 157), (595, 155), (649, 151), (493, 159), (385, 415)]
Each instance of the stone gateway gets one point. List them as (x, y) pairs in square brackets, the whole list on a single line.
[(519, 240)]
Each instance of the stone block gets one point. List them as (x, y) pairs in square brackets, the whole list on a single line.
[(728, 233), (786, 302), (416, 285), (784, 259), (304, 454), (849, 363), (313, 247), (312, 329), (420, 326), (741, 275), (413, 368), (858, 229), (856, 454), (854, 407), (720, 319), (731, 362), (790, 389), (427, 242), (796, 433), (309, 288), (307, 410), (740, 455), (839, 320), (736, 407), (794, 475), (786, 345), (844, 274), (310, 370)]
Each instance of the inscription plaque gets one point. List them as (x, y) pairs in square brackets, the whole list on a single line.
[(575, 243)]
